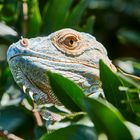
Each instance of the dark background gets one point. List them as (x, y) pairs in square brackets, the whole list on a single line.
[(114, 23)]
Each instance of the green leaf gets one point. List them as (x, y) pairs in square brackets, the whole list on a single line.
[(12, 117), (99, 5), (55, 13), (104, 116), (35, 20), (67, 91), (113, 88), (6, 76), (39, 131), (110, 85), (10, 11), (88, 27), (73, 132), (75, 117), (127, 36), (75, 16), (118, 91)]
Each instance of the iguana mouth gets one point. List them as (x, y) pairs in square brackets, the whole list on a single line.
[(95, 66)]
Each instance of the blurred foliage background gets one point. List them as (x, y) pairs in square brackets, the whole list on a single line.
[(114, 23)]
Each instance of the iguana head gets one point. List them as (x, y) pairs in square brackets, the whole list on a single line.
[(70, 53)]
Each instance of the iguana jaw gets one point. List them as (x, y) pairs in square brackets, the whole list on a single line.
[(37, 88), (31, 76)]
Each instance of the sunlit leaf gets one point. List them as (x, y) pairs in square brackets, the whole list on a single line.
[(7, 32), (134, 129), (75, 117), (129, 65), (104, 116)]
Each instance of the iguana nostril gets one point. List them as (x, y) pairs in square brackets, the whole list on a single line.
[(24, 42)]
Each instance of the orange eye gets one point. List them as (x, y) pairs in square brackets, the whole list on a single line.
[(70, 42)]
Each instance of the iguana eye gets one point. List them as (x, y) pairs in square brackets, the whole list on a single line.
[(70, 42)]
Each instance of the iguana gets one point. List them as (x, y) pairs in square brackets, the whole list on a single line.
[(70, 53)]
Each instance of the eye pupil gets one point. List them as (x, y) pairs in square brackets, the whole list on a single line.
[(71, 42)]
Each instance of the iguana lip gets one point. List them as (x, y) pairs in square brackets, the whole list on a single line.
[(49, 58), (95, 66), (31, 53), (16, 55), (15, 51)]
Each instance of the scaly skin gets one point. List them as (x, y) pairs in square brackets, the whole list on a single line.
[(73, 54)]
